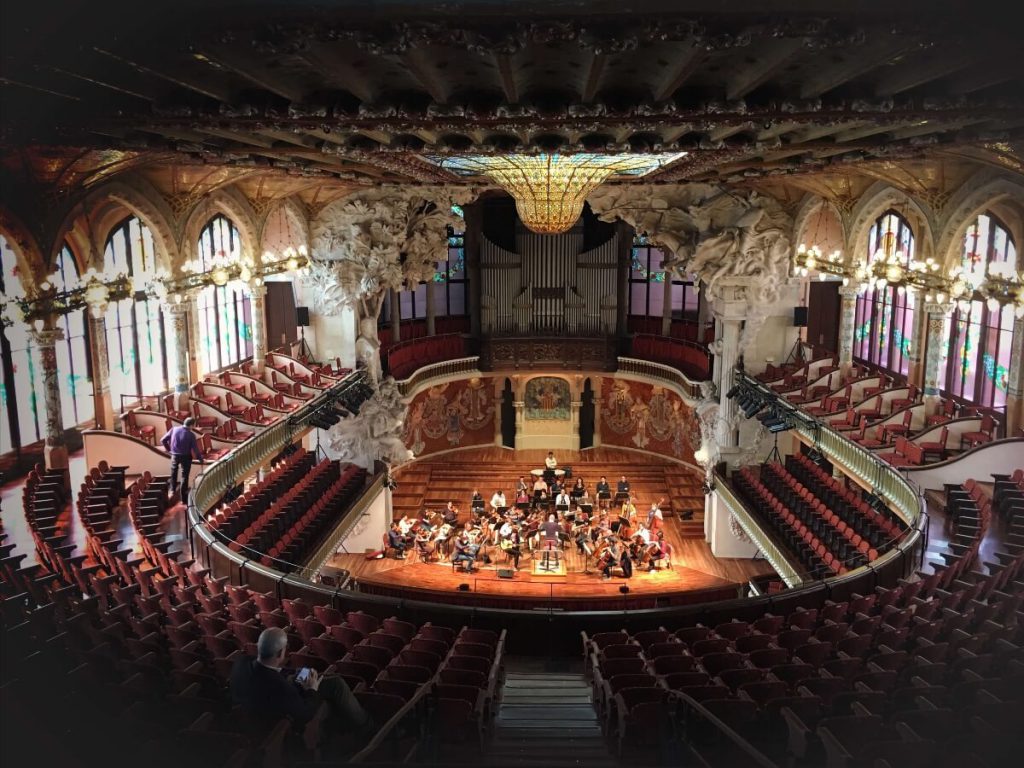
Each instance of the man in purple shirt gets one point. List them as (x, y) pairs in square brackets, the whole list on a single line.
[(181, 443)]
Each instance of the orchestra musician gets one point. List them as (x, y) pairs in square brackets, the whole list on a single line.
[(498, 501), (655, 518), (521, 486), (451, 513), (465, 551), (477, 502), (604, 492), (578, 489), (511, 543), (562, 501), (397, 541)]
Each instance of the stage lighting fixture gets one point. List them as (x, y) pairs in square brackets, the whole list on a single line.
[(752, 407), (780, 425), (734, 391)]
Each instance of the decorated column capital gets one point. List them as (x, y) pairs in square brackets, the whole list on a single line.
[(849, 292), (257, 290), (938, 308), (46, 338)]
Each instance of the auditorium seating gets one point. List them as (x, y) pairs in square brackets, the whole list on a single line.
[(829, 527), (818, 685), (686, 356), (407, 356)]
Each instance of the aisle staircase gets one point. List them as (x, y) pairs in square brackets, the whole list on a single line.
[(546, 718)]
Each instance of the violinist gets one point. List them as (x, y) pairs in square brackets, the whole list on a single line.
[(451, 513), (498, 503), (521, 486)]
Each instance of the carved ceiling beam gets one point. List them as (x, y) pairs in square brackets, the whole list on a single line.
[(203, 86), (977, 78), (326, 59), (251, 138), (254, 71), (684, 65), (95, 81), (592, 80), (507, 75), (422, 70), (936, 64), (858, 63), (768, 64), (298, 139), (718, 134)]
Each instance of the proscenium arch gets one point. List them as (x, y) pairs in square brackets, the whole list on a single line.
[(878, 199)]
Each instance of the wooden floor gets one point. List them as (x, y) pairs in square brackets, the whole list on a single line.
[(428, 484)]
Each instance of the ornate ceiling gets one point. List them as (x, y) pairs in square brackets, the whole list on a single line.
[(316, 98)]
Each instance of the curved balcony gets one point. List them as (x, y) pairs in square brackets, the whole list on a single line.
[(690, 358)]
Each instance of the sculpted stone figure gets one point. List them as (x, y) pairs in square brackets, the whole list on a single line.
[(376, 431), (708, 231), (367, 245)]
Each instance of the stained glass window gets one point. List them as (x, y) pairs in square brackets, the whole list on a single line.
[(21, 385), (136, 346), (225, 312), (73, 363), (449, 287), (975, 361), (884, 320)]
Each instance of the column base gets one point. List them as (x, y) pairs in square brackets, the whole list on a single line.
[(55, 456), (932, 404)]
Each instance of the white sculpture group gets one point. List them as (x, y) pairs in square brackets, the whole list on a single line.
[(375, 433)]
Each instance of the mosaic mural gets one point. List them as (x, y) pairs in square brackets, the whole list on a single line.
[(547, 397), (636, 415), (451, 416)]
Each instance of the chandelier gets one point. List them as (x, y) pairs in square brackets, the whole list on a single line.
[(95, 291), (550, 189), (224, 268)]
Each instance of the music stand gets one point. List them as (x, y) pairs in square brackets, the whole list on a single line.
[(586, 559)]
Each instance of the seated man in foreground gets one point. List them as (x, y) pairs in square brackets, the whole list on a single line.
[(268, 692)]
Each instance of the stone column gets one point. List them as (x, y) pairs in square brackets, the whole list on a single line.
[(431, 309), (106, 415), (847, 327), (396, 317), (666, 314), (937, 314), (177, 351), (1015, 389), (55, 453), (915, 369), (258, 296), (703, 312), (519, 405), (730, 310), (195, 342)]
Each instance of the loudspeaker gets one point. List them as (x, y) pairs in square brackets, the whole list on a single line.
[(506, 573), (800, 317), (302, 316)]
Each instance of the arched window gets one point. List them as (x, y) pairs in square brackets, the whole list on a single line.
[(225, 311), (884, 329), (135, 328), (74, 366), (974, 364), (21, 385)]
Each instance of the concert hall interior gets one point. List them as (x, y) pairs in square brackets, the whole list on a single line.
[(512, 383)]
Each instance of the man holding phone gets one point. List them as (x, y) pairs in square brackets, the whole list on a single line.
[(267, 692)]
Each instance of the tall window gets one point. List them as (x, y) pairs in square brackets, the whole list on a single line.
[(21, 385), (884, 330), (74, 367), (449, 287), (975, 359), (647, 285), (136, 345), (225, 312)]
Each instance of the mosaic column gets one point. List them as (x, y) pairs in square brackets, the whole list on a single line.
[(937, 341), (106, 416), (1015, 388), (177, 350), (195, 340), (54, 452), (258, 296), (847, 327)]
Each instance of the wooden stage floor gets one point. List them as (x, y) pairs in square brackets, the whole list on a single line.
[(696, 576)]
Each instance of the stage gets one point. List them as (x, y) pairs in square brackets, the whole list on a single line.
[(437, 582), (696, 576)]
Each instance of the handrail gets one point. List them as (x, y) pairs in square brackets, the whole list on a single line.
[(783, 564), (745, 746), (224, 473), (344, 527), (682, 342), (687, 387), (437, 371), (385, 730), (864, 466)]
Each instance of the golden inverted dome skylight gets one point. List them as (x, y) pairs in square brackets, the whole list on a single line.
[(550, 189)]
